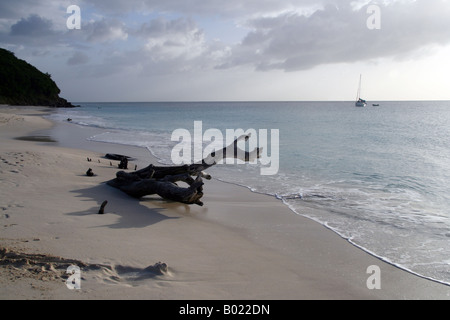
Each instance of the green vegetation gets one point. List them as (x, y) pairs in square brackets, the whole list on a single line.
[(23, 84)]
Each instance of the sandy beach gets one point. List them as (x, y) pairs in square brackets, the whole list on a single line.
[(239, 245)]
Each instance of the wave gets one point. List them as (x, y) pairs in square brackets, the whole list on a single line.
[(399, 237), (81, 119)]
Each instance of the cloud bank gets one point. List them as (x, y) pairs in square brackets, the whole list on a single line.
[(166, 37), (281, 34)]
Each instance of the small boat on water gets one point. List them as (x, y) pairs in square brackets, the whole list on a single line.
[(360, 102), (375, 105)]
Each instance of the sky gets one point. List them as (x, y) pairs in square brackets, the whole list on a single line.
[(234, 50)]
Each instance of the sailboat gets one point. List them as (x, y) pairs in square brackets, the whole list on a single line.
[(360, 102)]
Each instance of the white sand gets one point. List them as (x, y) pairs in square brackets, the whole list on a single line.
[(239, 245)]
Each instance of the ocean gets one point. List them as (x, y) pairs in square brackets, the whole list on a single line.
[(378, 176)]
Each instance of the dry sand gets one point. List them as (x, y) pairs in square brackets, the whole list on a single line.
[(239, 245)]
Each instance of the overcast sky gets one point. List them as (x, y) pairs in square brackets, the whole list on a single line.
[(208, 50)]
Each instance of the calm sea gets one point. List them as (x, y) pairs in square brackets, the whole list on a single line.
[(380, 175)]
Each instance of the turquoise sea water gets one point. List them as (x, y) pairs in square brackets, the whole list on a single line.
[(380, 176)]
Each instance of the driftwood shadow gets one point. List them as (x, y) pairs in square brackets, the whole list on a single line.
[(132, 213)]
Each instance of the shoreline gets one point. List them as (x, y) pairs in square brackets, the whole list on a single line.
[(240, 245)]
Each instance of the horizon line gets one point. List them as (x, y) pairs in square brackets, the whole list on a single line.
[(240, 101)]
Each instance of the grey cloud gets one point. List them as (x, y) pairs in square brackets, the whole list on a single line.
[(339, 34), (290, 41), (77, 58), (178, 40), (167, 46), (39, 32), (16, 9), (34, 25), (279, 35), (33, 31), (104, 30), (234, 8), (161, 26)]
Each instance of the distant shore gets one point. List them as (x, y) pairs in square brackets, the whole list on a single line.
[(239, 245)]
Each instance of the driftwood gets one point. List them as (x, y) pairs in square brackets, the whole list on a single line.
[(102, 207), (123, 164), (162, 180), (90, 173), (118, 157)]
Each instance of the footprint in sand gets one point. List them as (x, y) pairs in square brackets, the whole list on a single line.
[(132, 276), (46, 267)]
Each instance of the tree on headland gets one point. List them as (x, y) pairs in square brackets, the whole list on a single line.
[(23, 84)]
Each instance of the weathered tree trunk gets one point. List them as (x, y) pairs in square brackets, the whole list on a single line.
[(162, 180)]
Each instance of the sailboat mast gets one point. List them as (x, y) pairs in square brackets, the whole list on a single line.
[(359, 88), (360, 102)]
